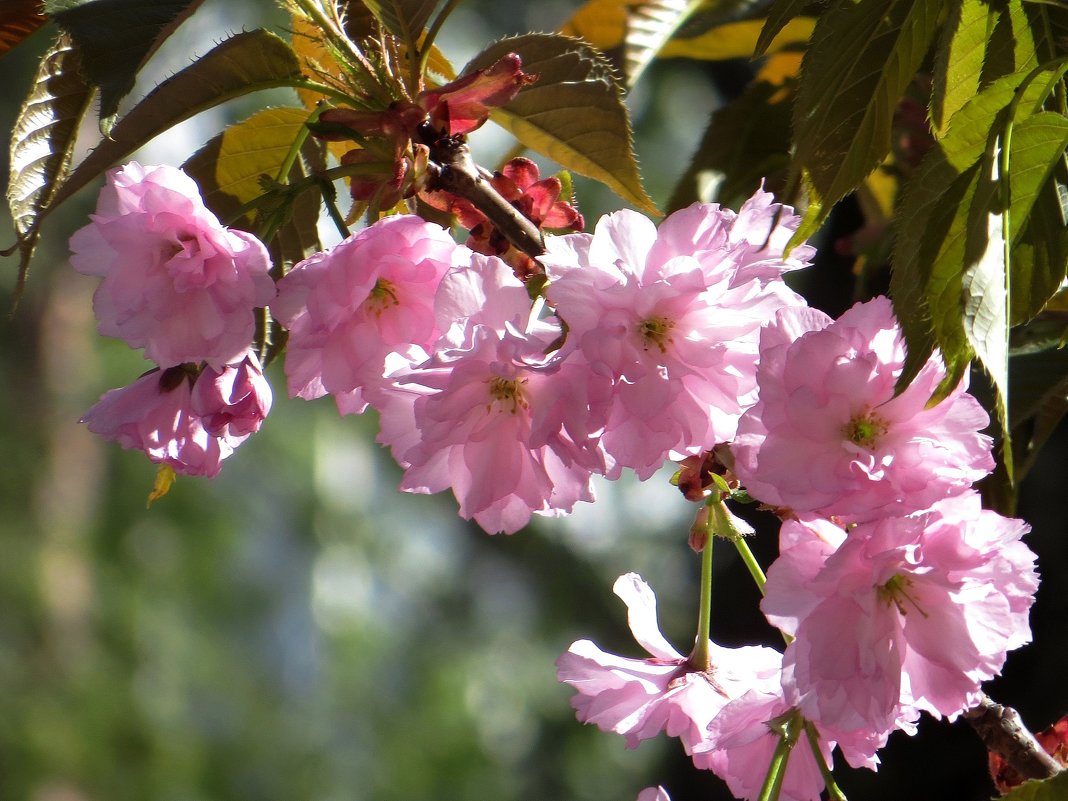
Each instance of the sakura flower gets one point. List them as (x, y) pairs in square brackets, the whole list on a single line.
[(742, 739), (348, 308), (908, 614), (639, 698), (654, 794), (175, 281), (154, 415), (478, 432), (233, 402), (827, 434), (670, 318)]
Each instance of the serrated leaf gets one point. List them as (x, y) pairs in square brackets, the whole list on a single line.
[(229, 167), (18, 19), (116, 38), (984, 286), (1055, 789), (931, 199), (631, 32), (738, 40), (779, 15), (403, 18), (574, 113), (42, 141), (861, 58), (246, 62), (1039, 256), (742, 146), (1011, 45), (959, 60)]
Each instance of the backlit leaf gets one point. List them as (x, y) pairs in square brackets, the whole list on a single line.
[(246, 62), (959, 60), (403, 18), (228, 170), (941, 189), (18, 19), (116, 38), (573, 114), (779, 15), (1055, 789), (629, 32), (1039, 256), (861, 58), (42, 142), (738, 40)]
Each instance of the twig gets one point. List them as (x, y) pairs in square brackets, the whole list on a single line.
[(453, 170), (1002, 732)]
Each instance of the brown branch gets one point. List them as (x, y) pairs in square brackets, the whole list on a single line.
[(1002, 732), (453, 170)]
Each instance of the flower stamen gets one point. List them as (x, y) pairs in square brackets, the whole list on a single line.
[(507, 389), (656, 331)]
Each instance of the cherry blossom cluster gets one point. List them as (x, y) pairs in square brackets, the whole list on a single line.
[(895, 592), (178, 284)]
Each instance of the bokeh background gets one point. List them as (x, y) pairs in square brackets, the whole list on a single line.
[(297, 629)]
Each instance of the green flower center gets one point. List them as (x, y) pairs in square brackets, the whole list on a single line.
[(382, 296), (656, 332), (897, 591), (865, 430)]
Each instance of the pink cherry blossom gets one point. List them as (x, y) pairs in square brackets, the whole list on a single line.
[(908, 614), (348, 308), (827, 434), (154, 415), (654, 794), (741, 743), (478, 433), (233, 402), (175, 282), (670, 319), (639, 698)]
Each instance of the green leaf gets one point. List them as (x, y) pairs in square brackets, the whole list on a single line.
[(635, 29), (737, 40), (116, 38), (229, 168), (403, 18), (778, 16), (1039, 255), (1055, 789), (937, 193), (959, 59), (742, 145), (42, 142), (1012, 46), (246, 62), (18, 19), (573, 114), (861, 59)]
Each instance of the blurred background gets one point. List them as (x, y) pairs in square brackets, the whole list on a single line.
[(297, 629)]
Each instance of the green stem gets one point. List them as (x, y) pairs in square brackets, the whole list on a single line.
[(777, 770), (338, 38), (833, 792), (699, 659), (432, 33), (751, 563), (328, 91)]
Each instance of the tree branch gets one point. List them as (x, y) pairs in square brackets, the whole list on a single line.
[(1002, 732), (453, 170)]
